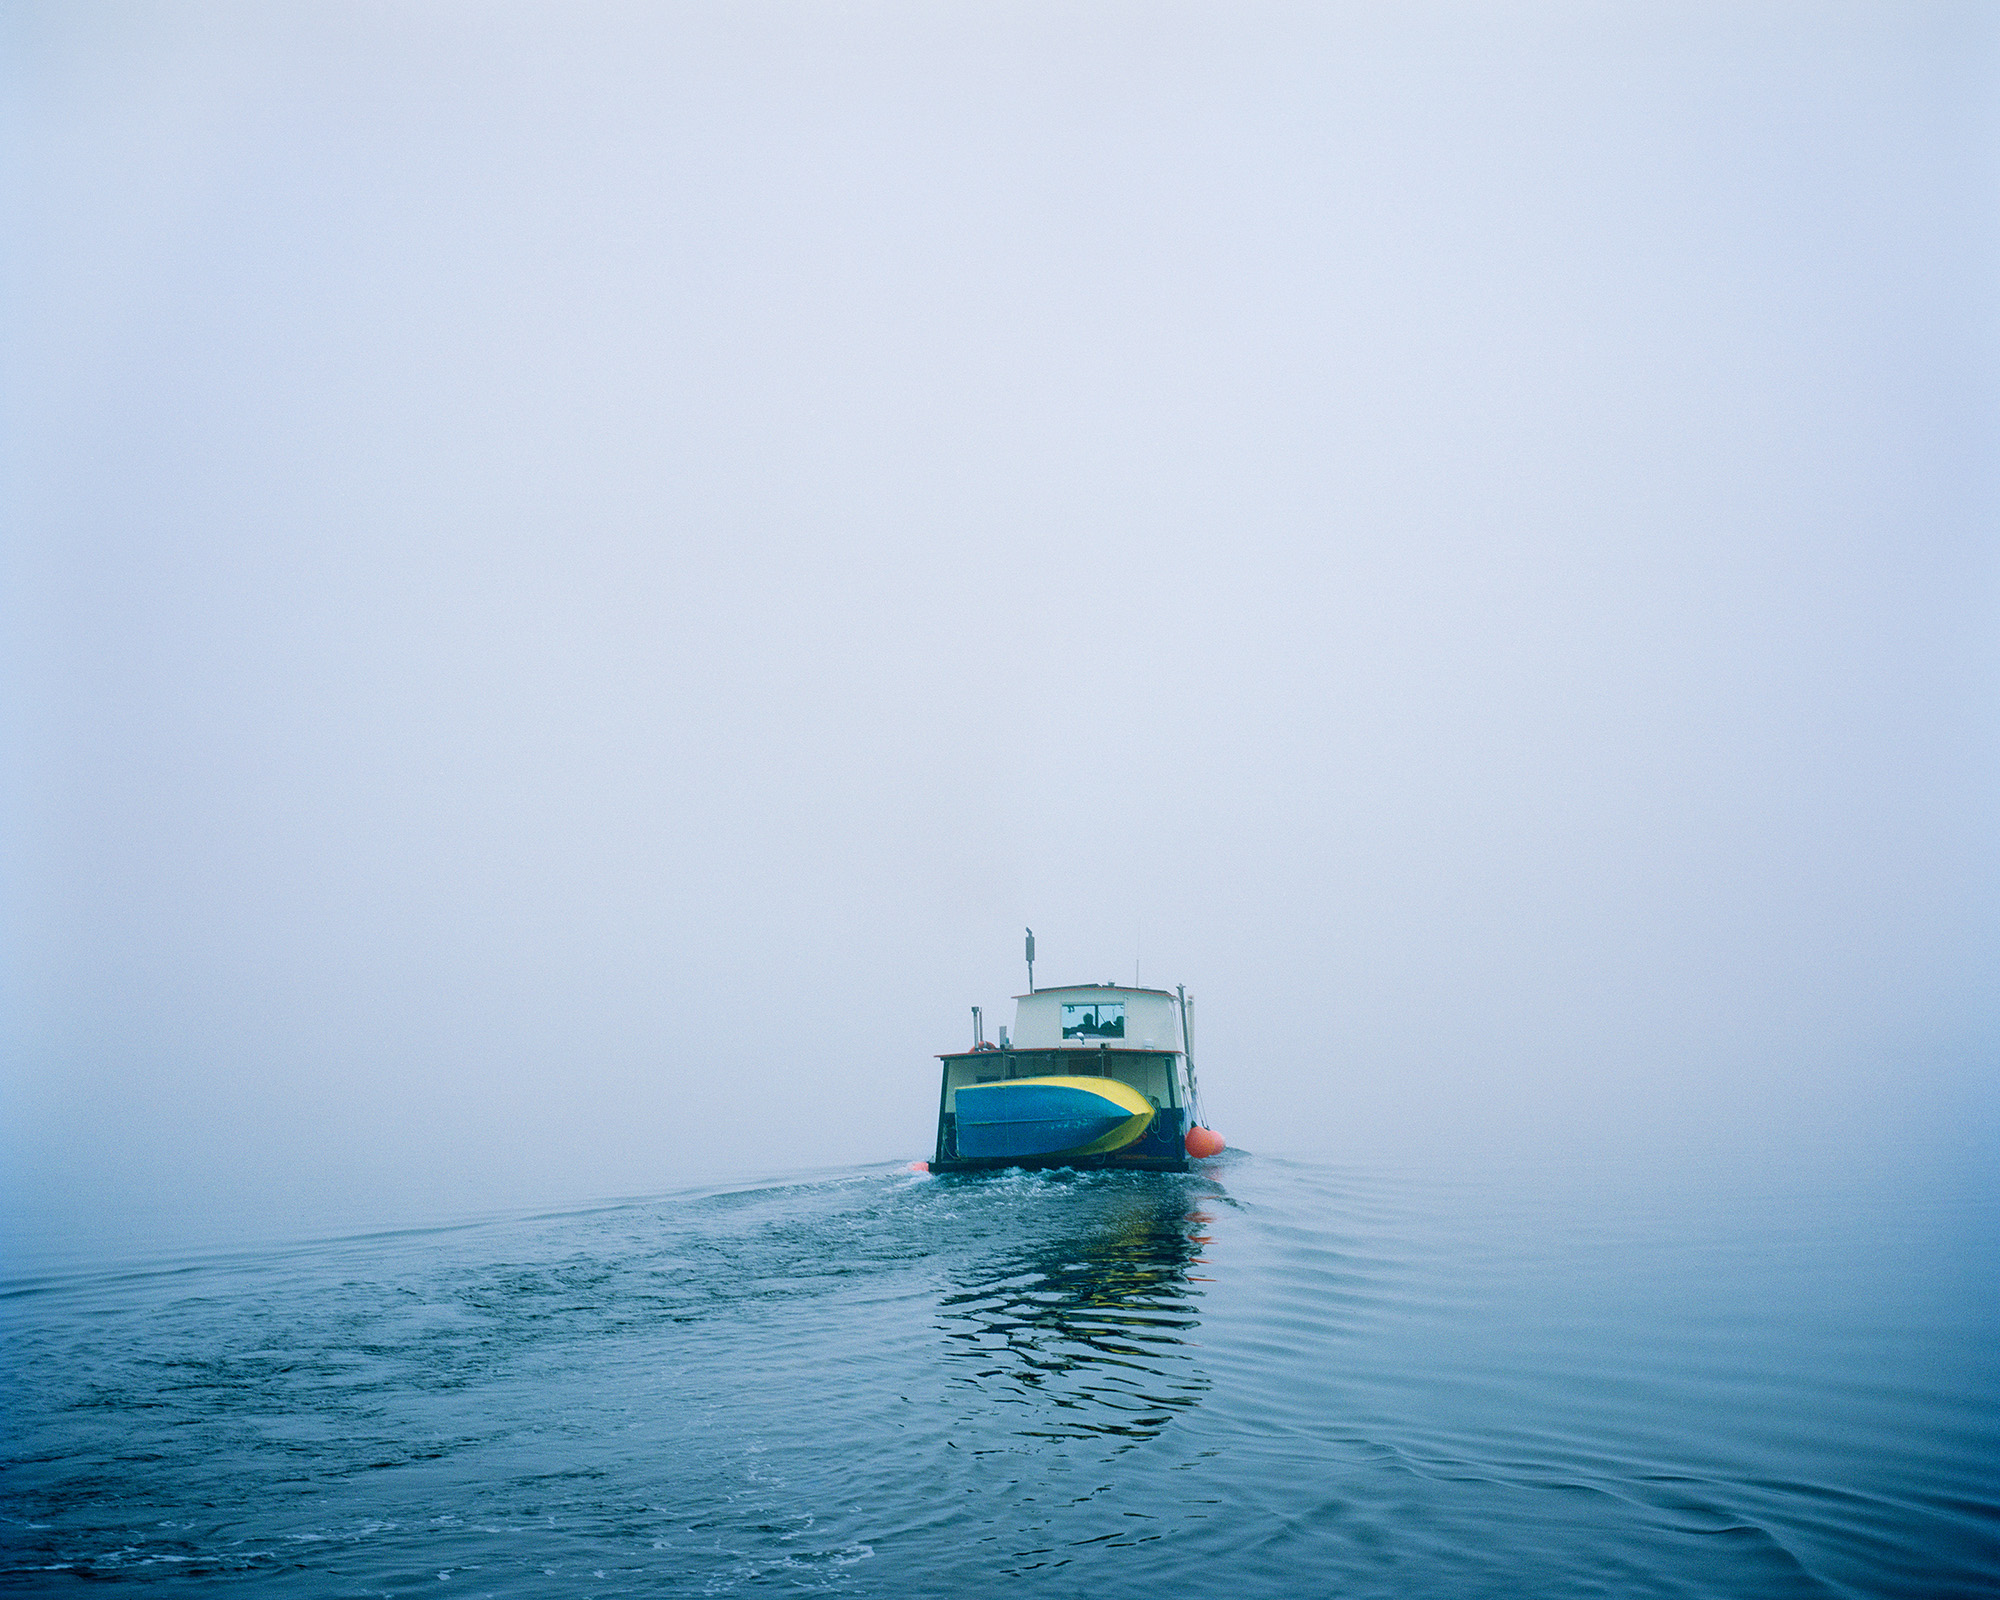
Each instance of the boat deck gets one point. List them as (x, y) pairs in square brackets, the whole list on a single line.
[(1151, 1072)]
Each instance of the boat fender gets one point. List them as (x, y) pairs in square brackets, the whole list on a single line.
[(1202, 1142)]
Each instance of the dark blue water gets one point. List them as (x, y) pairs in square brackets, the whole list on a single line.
[(1271, 1379)]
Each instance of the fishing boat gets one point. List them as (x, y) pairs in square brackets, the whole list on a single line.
[(1091, 1075)]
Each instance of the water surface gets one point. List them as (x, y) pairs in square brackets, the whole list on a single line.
[(1272, 1378)]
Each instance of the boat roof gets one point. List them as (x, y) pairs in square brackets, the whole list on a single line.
[(1093, 988), (1089, 1052)]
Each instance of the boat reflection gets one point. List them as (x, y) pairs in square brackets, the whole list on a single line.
[(1087, 1329)]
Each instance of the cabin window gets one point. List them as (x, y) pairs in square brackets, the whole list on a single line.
[(1097, 1020)]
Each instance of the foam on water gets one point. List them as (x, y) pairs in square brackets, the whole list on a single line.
[(1277, 1376)]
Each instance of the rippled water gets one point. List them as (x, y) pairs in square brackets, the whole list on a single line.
[(1269, 1379)]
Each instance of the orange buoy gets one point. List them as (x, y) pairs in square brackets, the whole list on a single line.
[(920, 1166), (1202, 1142)]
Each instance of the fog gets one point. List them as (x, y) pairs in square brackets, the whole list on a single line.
[(576, 575)]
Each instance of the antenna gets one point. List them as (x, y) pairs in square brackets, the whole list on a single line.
[(1031, 961)]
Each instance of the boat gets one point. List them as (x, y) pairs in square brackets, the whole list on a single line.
[(1091, 1075)]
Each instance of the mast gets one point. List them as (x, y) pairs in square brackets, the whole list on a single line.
[(1187, 1053)]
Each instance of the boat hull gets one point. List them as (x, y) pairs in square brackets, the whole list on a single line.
[(1123, 1160)]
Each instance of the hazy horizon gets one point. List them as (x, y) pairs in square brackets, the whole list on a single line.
[(576, 576)]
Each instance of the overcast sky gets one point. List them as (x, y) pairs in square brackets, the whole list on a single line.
[(577, 573)]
